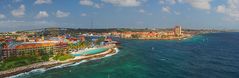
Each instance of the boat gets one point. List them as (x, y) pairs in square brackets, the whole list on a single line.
[(152, 48)]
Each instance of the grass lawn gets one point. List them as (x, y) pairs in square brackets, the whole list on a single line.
[(63, 57), (21, 61)]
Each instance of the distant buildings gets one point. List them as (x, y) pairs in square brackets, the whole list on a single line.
[(177, 30), (82, 38), (174, 33)]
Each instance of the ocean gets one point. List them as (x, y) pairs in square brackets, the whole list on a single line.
[(214, 55)]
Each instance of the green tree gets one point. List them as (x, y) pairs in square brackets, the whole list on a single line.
[(136, 36)]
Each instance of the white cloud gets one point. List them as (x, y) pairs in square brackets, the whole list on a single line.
[(142, 11), (83, 14), (231, 10), (43, 1), (17, 1), (124, 3), (19, 12), (177, 13), (86, 2), (42, 14), (150, 13), (200, 4), (161, 1), (173, 1), (98, 5), (221, 8), (61, 14), (90, 3), (167, 1), (2, 16), (166, 9), (179, 1)]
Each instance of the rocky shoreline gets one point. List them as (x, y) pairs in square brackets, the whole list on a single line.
[(50, 64)]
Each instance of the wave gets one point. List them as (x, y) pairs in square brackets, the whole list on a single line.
[(77, 63), (59, 66), (42, 70), (35, 71), (116, 51)]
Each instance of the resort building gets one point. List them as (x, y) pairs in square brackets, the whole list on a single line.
[(82, 38), (1, 47), (31, 48)]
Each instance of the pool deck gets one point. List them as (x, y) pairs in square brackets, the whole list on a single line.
[(90, 51)]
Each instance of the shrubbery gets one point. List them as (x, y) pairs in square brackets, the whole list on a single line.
[(13, 62)]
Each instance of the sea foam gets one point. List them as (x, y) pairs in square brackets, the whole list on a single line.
[(35, 71)]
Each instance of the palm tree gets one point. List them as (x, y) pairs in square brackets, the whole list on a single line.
[(87, 44), (71, 46)]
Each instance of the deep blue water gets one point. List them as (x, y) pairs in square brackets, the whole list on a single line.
[(214, 55)]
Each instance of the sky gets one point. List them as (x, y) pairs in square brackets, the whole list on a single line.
[(195, 14)]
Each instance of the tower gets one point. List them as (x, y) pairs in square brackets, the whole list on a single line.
[(177, 30)]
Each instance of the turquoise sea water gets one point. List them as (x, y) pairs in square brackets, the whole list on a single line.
[(213, 55), (94, 51)]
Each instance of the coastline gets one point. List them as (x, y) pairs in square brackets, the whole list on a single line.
[(175, 38), (50, 64)]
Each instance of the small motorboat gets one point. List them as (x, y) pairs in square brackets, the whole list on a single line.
[(152, 48)]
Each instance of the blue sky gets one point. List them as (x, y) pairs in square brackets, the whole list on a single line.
[(203, 14)]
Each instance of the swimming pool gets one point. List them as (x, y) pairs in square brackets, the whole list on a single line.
[(94, 51)]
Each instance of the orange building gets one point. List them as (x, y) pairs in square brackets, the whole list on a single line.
[(32, 49)]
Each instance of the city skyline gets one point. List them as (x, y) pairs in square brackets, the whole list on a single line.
[(202, 14)]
